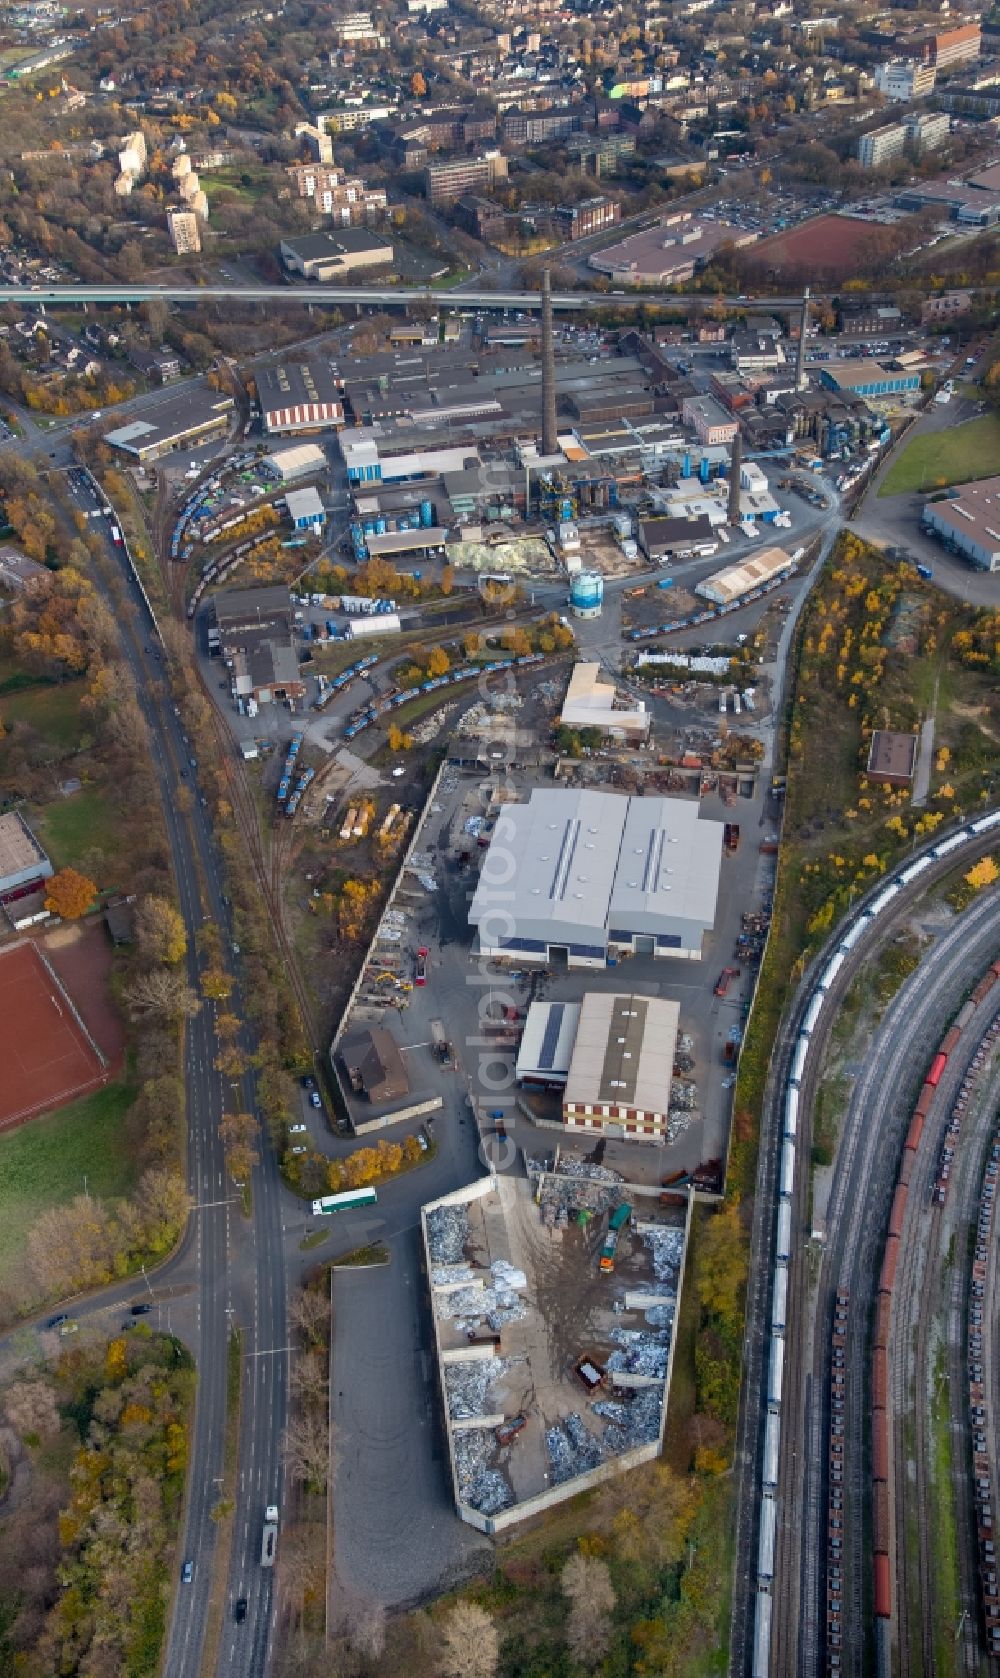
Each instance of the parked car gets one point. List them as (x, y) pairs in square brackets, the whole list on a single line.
[(314, 1099), (141, 1310), (297, 1129), (421, 973), (57, 1321), (187, 1572)]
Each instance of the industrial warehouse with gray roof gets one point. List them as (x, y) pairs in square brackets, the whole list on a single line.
[(573, 877)]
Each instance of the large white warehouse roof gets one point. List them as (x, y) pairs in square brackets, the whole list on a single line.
[(579, 869)]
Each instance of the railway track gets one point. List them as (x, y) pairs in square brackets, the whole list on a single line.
[(983, 1109), (873, 1133), (916, 1303)]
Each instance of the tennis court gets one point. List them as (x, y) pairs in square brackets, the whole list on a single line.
[(46, 1053)]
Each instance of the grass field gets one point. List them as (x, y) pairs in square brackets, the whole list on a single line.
[(941, 458), (53, 711), (70, 827), (249, 184), (45, 1163)]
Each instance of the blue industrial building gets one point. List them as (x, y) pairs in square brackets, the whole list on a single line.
[(305, 509), (867, 378)]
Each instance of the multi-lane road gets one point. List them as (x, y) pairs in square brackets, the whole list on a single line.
[(237, 1269), (373, 296)]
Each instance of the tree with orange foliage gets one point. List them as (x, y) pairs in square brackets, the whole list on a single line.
[(69, 894)]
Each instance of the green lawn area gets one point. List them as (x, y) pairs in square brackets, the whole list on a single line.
[(43, 1163), (942, 458), (53, 711), (70, 827), (250, 183)]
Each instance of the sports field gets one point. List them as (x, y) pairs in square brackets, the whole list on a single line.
[(956, 454), (46, 1055), (831, 245)]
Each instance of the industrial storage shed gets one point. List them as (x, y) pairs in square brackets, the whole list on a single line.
[(667, 881), (546, 1047), (733, 581), (622, 1065), (572, 872)]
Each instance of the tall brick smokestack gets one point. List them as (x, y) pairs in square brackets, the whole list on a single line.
[(550, 441), (735, 462), (800, 366)]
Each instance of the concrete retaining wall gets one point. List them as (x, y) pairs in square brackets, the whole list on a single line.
[(492, 1524), (399, 1116), (397, 882)]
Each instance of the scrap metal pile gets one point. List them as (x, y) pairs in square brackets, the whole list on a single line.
[(480, 1485), (576, 1186), (447, 1234), (468, 1385), (471, 1304), (572, 1448)]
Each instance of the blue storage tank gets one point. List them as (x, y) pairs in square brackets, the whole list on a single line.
[(426, 514), (704, 470), (380, 527), (369, 527), (686, 467), (586, 594)]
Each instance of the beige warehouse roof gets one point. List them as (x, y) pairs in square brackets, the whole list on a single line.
[(735, 580), (590, 703), (624, 1052), (295, 462)]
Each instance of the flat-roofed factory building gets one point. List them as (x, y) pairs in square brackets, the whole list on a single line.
[(297, 396), (892, 757), (623, 1058), (574, 876)]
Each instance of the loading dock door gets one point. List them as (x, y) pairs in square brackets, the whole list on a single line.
[(645, 944), (559, 955)]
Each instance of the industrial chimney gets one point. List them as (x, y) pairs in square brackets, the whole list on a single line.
[(735, 462), (550, 441), (800, 366)]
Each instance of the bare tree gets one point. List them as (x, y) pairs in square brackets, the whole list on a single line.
[(161, 993), (31, 1407), (587, 1586), (306, 1446), (309, 1312), (470, 1647), (308, 1378)]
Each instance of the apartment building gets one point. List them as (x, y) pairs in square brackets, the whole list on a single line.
[(955, 46), (320, 144), (348, 200), (905, 79), (578, 221), (880, 145), (444, 182), (185, 236)]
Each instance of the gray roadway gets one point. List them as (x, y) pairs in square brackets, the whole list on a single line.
[(237, 1271)]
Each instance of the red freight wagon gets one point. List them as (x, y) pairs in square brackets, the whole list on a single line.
[(880, 1377), (938, 1065), (898, 1210), (889, 1262), (915, 1132), (883, 1309), (880, 1445), (881, 1516), (883, 1602)]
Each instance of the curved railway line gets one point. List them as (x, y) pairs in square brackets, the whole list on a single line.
[(780, 1615), (875, 1127), (918, 1319)]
